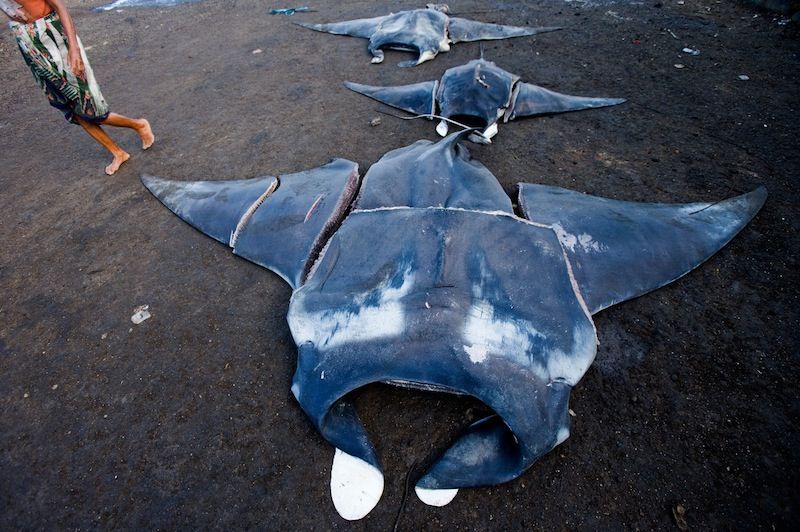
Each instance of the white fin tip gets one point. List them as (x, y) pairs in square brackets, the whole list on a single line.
[(436, 497), (356, 486)]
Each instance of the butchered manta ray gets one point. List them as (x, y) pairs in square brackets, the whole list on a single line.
[(478, 94), (425, 31), (422, 276)]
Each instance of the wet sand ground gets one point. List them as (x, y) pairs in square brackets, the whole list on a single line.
[(187, 421)]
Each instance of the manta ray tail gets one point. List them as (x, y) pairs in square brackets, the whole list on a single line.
[(620, 250), (418, 98), (362, 27), (464, 30), (531, 100), (278, 223)]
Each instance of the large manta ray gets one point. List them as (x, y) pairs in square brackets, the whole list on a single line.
[(423, 276), (478, 93), (426, 31)]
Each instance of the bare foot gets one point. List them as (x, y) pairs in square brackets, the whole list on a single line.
[(117, 162), (146, 133)]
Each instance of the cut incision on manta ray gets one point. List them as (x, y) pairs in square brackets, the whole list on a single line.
[(425, 31), (478, 94), (423, 276)]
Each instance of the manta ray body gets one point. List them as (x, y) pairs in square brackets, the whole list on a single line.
[(422, 275), (425, 31), (479, 94), (122, 4)]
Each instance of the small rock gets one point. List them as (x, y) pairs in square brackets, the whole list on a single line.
[(744, 77), (679, 513), (140, 314)]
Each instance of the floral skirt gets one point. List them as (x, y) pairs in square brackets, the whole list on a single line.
[(44, 47)]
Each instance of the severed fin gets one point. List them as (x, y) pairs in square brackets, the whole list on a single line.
[(362, 27), (418, 98), (212, 207), (464, 30), (288, 231), (278, 223), (531, 100), (620, 250)]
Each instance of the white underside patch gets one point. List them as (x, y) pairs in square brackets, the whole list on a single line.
[(436, 497), (356, 486)]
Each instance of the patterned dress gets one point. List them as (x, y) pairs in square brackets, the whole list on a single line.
[(44, 47)]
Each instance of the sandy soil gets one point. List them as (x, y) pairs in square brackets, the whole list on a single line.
[(187, 420)]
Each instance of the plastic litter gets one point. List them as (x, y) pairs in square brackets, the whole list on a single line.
[(744, 77), (679, 65), (257, 51), (375, 121), (140, 314), (691, 51), (290, 10)]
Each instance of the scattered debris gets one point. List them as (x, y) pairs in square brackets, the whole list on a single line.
[(744, 77), (25, 395), (54, 387), (104, 336), (140, 314), (375, 121), (257, 51), (290, 10), (572, 412), (691, 51), (679, 65), (672, 33), (679, 513)]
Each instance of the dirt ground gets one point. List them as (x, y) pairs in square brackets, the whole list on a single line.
[(186, 420)]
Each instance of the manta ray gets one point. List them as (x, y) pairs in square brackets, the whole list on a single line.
[(423, 275), (478, 94), (121, 4), (425, 31)]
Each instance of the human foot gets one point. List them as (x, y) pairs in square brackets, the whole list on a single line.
[(117, 162), (146, 133)]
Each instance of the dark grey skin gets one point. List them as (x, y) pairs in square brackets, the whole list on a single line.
[(425, 31), (479, 94), (423, 276)]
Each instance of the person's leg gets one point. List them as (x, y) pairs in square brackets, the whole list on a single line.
[(97, 133), (140, 125)]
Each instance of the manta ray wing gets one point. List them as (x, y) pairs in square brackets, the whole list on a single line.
[(464, 30), (531, 100), (418, 98), (280, 224), (361, 27), (621, 250)]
